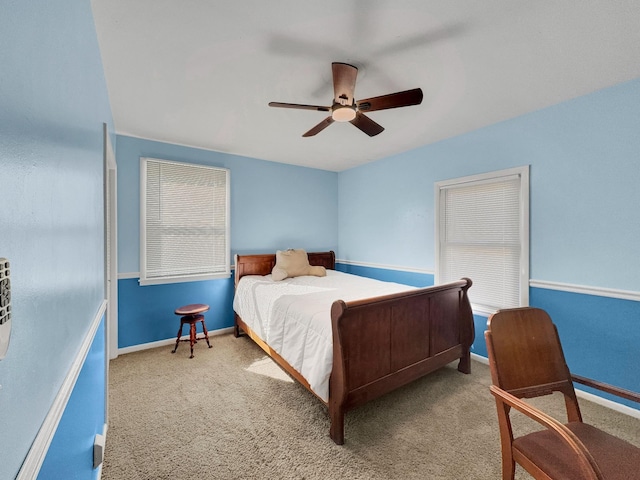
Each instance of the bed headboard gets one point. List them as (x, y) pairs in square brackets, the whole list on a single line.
[(262, 264)]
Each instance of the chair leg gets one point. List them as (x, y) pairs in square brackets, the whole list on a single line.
[(206, 334), (192, 336), (508, 469), (178, 339)]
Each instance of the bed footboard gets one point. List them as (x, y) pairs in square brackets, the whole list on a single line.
[(386, 342)]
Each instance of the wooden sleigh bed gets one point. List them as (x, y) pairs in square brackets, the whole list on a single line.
[(380, 343)]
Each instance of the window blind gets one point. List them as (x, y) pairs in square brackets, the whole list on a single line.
[(185, 221), (481, 236)]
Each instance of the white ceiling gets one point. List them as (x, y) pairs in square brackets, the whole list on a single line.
[(201, 72)]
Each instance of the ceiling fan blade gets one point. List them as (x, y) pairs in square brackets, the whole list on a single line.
[(392, 100), (318, 108), (367, 125), (319, 127), (344, 82)]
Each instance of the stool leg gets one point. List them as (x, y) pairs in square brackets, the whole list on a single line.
[(178, 339), (192, 336), (206, 334)]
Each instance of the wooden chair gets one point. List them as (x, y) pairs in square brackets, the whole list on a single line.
[(526, 361)]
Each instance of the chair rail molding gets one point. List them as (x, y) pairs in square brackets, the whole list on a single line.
[(586, 290)]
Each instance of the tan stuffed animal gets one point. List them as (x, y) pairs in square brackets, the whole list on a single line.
[(294, 263)]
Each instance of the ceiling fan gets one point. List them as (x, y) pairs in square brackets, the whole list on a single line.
[(347, 109)]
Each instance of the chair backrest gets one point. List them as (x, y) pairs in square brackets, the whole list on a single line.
[(526, 357)]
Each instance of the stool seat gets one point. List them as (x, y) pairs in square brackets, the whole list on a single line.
[(192, 309), (191, 315)]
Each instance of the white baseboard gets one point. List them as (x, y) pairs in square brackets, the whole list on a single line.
[(480, 358), (168, 341), (618, 407)]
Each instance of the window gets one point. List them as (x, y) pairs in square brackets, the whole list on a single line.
[(482, 232), (184, 222)]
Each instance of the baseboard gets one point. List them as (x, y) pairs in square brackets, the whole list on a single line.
[(40, 446), (618, 407), (480, 358), (168, 341)]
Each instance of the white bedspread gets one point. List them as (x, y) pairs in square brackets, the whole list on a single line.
[(293, 316)]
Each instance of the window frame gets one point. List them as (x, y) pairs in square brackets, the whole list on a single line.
[(524, 261), (178, 278)]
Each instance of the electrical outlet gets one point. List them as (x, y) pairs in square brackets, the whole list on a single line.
[(5, 306), (98, 450)]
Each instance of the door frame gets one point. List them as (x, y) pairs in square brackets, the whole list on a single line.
[(111, 246)]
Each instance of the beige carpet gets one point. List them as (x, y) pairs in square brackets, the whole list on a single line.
[(231, 413)]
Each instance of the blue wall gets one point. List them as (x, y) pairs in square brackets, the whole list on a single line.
[(584, 222), (70, 455), (53, 102), (584, 225), (146, 313), (584, 177), (273, 206), (600, 335)]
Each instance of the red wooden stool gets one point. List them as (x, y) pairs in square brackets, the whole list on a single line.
[(191, 315)]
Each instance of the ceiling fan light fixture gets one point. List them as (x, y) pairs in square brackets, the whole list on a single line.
[(346, 109), (343, 113)]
